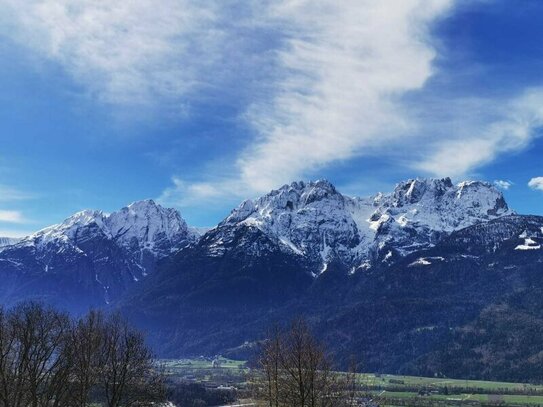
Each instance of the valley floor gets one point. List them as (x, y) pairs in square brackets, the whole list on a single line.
[(374, 389)]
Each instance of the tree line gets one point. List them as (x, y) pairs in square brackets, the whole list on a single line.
[(48, 359)]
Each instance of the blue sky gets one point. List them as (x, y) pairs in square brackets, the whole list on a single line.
[(201, 106)]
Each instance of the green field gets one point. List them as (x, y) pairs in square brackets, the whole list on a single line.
[(385, 380), (426, 391), (389, 398), (386, 390)]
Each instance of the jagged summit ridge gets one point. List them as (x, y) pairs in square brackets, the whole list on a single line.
[(143, 232), (146, 224), (315, 220), (444, 206), (307, 225), (141, 225)]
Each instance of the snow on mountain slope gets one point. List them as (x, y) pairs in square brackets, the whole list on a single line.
[(314, 220), (147, 223), (99, 255), (149, 231), (103, 252), (441, 205), (141, 226), (517, 232), (78, 227)]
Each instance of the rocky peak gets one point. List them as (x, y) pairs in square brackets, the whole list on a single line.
[(484, 193), (444, 206), (293, 197), (83, 219), (146, 222), (314, 220), (81, 225), (413, 190), (144, 229)]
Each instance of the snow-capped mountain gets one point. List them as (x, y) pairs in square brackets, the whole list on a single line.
[(408, 269), (101, 254), (374, 276), (143, 227), (149, 231), (304, 227), (315, 221)]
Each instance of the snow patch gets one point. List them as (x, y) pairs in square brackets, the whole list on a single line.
[(324, 268), (420, 262), (529, 244), (291, 246), (388, 256)]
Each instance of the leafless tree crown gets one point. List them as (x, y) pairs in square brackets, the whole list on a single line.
[(296, 371), (49, 360)]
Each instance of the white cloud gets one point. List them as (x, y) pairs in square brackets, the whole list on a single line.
[(334, 93), (9, 194), (334, 77), (536, 183), (11, 216), (340, 74), (503, 184), (124, 52), (186, 194), (480, 143)]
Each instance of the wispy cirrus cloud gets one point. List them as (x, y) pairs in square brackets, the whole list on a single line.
[(8, 194), (186, 194), (11, 196), (334, 90), (340, 72), (479, 142), (330, 89), (334, 71)]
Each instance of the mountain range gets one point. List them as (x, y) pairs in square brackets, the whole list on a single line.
[(433, 278)]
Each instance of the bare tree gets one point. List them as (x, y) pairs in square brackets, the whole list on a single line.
[(128, 375), (87, 338), (270, 363), (34, 366), (9, 382), (297, 372), (47, 360)]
